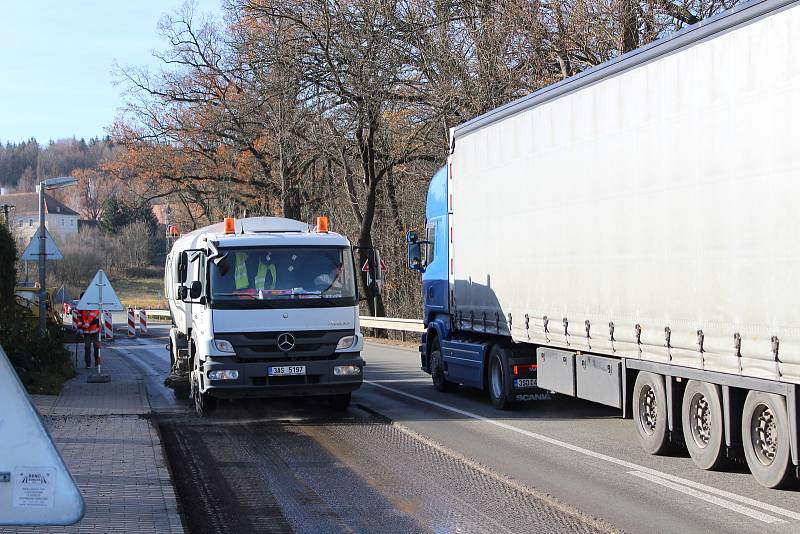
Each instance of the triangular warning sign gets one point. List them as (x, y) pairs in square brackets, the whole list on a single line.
[(365, 268), (35, 486), (31, 252), (100, 295), (383, 266)]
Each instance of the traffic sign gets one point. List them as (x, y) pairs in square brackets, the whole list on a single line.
[(36, 488), (365, 268), (99, 295), (31, 252)]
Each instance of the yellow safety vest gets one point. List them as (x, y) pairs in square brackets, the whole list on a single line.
[(241, 271), (261, 275)]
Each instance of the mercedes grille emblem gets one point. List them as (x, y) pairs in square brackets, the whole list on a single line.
[(286, 342)]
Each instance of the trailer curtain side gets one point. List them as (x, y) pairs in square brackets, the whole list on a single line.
[(665, 196)]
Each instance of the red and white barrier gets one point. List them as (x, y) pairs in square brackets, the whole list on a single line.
[(131, 324), (142, 322), (108, 326)]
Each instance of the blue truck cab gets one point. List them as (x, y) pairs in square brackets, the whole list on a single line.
[(452, 356)]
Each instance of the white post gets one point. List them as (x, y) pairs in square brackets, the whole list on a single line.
[(100, 284)]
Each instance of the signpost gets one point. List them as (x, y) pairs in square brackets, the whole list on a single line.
[(99, 295), (50, 183), (35, 486), (374, 266)]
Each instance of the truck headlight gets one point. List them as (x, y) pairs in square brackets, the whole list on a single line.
[(223, 345), (346, 342), (224, 374), (346, 370)]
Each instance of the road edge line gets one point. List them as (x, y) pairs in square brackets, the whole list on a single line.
[(598, 455)]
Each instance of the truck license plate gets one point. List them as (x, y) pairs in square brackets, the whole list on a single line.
[(525, 383), (287, 370)]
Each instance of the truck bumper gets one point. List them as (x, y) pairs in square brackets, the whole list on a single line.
[(254, 381), (521, 393)]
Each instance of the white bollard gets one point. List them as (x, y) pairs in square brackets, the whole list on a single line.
[(108, 326), (142, 322), (131, 324)]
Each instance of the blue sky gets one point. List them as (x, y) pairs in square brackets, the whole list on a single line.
[(57, 57)]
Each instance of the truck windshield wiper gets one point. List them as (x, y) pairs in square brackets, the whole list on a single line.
[(238, 295)]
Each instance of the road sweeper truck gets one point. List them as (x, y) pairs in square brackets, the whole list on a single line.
[(263, 307)]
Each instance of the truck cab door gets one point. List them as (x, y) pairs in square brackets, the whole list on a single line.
[(197, 284)]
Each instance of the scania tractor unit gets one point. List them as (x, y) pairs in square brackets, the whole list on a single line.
[(263, 307), (630, 236)]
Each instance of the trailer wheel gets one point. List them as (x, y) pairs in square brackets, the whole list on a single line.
[(650, 415), (440, 383), (498, 378), (339, 403), (701, 415), (765, 438), (204, 404)]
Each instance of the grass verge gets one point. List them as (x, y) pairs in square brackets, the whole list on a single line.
[(46, 382), (140, 292)]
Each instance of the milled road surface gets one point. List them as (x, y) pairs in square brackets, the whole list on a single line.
[(406, 458), (355, 473)]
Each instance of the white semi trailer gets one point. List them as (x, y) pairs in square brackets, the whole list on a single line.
[(630, 236), (263, 307)]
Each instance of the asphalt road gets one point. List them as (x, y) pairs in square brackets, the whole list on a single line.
[(431, 461)]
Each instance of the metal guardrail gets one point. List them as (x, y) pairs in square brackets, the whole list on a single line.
[(158, 314), (383, 323), (392, 323)]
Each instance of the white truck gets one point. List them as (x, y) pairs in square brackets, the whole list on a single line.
[(630, 236), (263, 307)]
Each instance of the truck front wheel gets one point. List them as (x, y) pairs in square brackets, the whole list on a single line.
[(701, 414), (498, 378), (650, 413), (440, 383), (765, 438), (204, 404)]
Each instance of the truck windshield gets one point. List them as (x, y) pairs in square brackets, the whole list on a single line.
[(283, 273)]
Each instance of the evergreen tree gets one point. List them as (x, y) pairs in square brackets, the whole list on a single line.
[(116, 215), (8, 276)]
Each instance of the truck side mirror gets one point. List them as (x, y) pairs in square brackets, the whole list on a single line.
[(415, 252), (196, 290), (183, 267)]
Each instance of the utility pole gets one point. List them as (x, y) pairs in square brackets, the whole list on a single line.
[(42, 260), (168, 231)]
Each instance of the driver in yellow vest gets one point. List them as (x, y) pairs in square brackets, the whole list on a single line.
[(266, 272)]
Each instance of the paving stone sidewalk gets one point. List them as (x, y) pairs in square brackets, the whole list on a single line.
[(113, 452)]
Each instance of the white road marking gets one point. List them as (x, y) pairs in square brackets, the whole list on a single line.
[(755, 514), (600, 456), (404, 381)]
